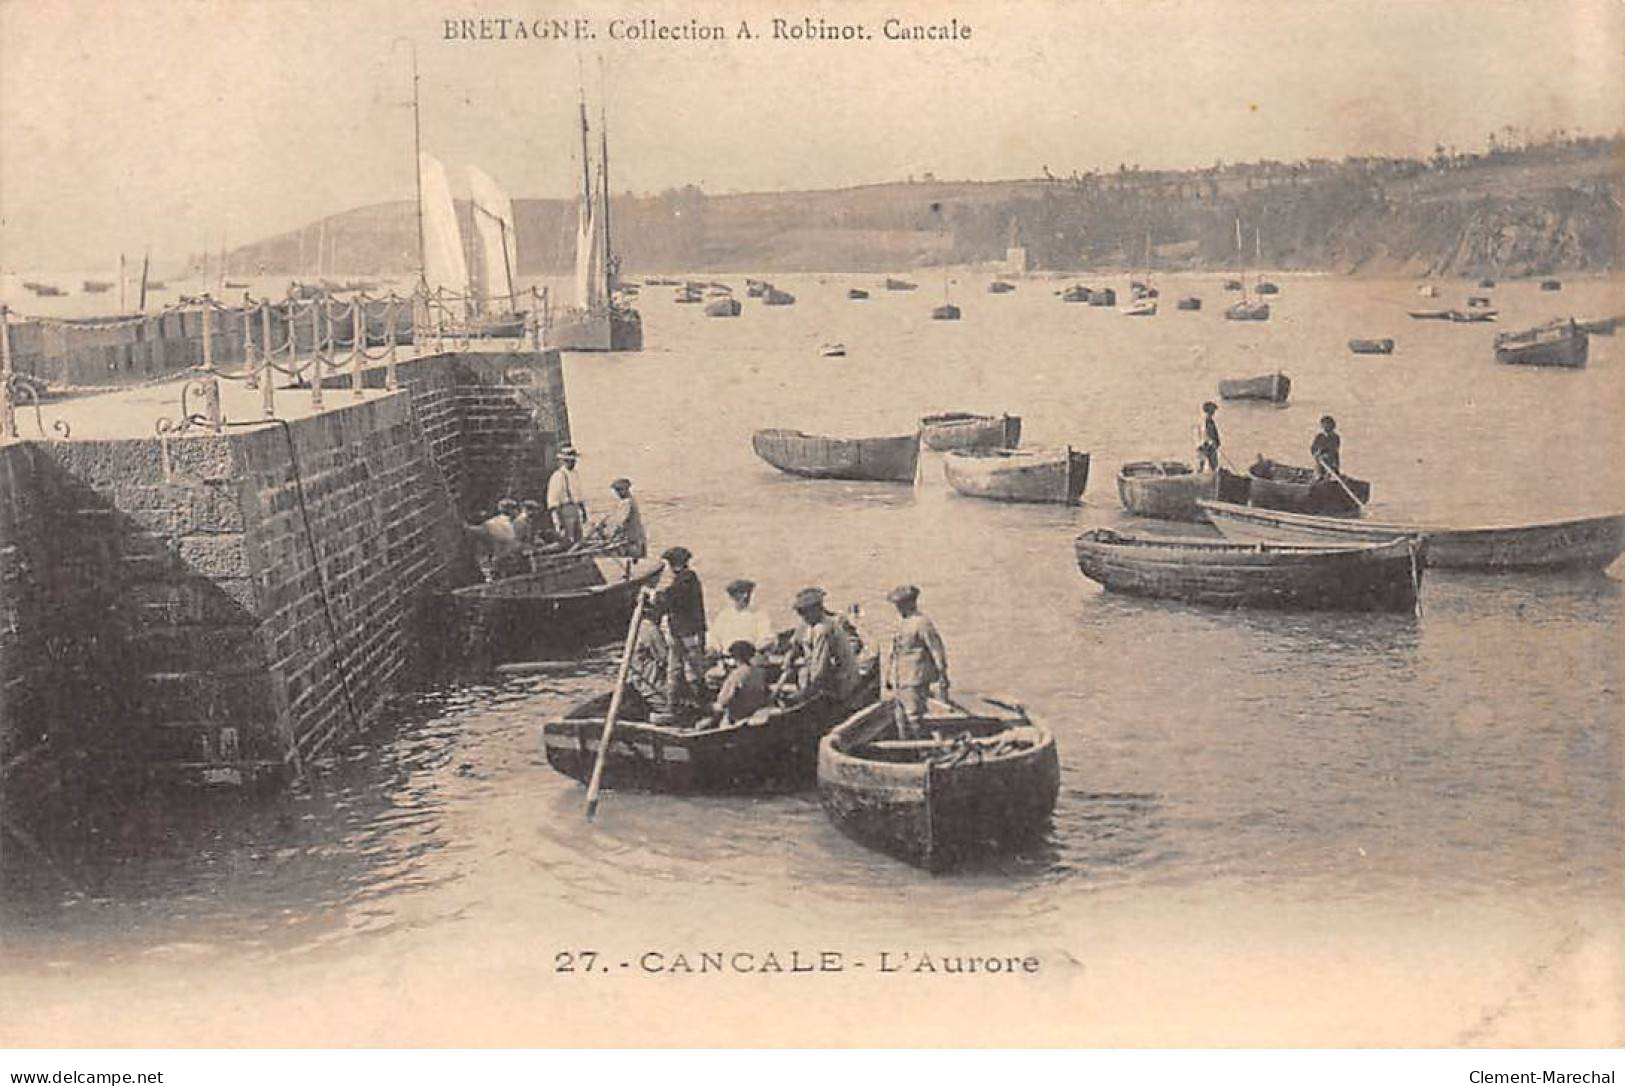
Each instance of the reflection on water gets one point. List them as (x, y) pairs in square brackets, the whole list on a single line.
[(1473, 749)]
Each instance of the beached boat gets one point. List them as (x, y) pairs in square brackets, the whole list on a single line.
[(1145, 307), (1075, 293), (1271, 387), (832, 350), (1371, 346), (1301, 490), (567, 604), (1189, 303), (999, 286), (945, 312), (775, 296), (1169, 489), (963, 430), (1233, 285), (1266, 287), (856, 294), (1056, 476), (984, 781), (1551, 284), (1557, 343), (1104, 296), (774, 750), (875, 459), (1583, 543), (724, 307), (1429, 314), (900, 284), (1376, 577), (1248, 311)]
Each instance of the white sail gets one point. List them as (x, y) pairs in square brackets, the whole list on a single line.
[(587, 263), (493, 226), (442, 239)]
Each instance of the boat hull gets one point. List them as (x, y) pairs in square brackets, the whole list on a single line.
[(569, 606), (870, 459), (613, 330), (1377, 577), (1244, 311), (1371, 346), (1586, 543), (1564, 346), (960, 430), (1150, 489), (1271, 388), (938, 816), (775, 751), (723, 307), (1056, 478), (1297, 490)]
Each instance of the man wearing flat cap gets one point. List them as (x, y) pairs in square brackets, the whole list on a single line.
[(739, 621), (564, 498), (829, 660), (915, 660), (679, 600), (620, 531)]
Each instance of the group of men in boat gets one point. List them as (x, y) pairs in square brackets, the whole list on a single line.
[(1326, 449), (506, 540), (678, 656)]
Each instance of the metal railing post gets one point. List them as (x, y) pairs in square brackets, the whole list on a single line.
[(317, 304), (391, 378), (358, 339), (267, 375)]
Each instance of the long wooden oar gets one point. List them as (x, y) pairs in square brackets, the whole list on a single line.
[(1333, 473), (614, 708)]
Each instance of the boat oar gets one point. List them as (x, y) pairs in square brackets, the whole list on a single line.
[(614, 708), (1333, 473)]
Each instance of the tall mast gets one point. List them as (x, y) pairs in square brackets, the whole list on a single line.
[(586, 156), (417, 170), (603, 181)]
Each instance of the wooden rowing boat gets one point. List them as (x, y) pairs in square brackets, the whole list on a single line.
[(856, 294), (1105, 296), (1019, 475), (1169, 489), (1248, 311), (1371, 346), (984, 782), (1075, 293), (774, 750), (1584, 543), (1560, 343), (963, 430), (726, 306), (1271, 387), (1302, 490), (945, 312), (775, 296), (900, 284), (876, 459), (1375, 577), (567, 604), (999, 286), (1189, 303), (1144, 307)]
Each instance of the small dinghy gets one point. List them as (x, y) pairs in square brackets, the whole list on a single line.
[(945, 312), (872, 459), (984, 780), (1271, 388), (832, 350), (856, 294), (1248, 311), (1562, 343), (1429, 314), (1233, 285), (1301, 490), (1551, 284), (1145, 307), (1169, 489), (569, 603), (775, 296), (1075, 293), (900, 284), (962, 430), (1189, 303), (1056, 476), (1371, 346), (724, 307), (1266, 287), (1104, 297), (999, 286)]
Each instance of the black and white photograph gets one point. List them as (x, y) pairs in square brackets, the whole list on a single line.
[(1028, 524)]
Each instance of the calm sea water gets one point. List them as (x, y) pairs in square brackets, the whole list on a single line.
[(1474, 750)]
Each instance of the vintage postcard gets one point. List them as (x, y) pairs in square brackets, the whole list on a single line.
[(981, 524)]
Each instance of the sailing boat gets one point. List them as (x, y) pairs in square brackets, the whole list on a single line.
[(1246, 309), (600, 320), (1144, 295), (1264, 285), (445, 268)]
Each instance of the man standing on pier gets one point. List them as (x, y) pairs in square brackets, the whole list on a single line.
[(1207, 449), (564, 498), (915, 660)]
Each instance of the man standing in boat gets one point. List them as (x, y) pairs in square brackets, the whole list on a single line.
[(620, 532), (1207, 448), (679, 598), (829, 661), (564, 498), (1327, 448), (915, 661)]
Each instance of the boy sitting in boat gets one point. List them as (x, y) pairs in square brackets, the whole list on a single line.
[(744, 691)]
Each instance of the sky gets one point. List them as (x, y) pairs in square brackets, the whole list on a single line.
[(126, 124)]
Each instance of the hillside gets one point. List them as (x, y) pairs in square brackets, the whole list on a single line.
[(1531, 211)]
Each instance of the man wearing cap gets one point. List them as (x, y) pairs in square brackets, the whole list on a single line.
[(496, 539), (739, 621), (914, 661), (1207, 439), (620, 531), (1327, 447), (564, 498), (829, 662), (679, 599)]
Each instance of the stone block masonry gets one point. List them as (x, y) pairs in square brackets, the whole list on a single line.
[(217, 608)]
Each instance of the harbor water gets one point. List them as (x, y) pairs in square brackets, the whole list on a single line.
[(1378, 829)]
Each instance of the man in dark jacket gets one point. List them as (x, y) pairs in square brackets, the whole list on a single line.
[(679, 599)]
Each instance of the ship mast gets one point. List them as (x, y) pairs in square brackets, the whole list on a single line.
[(417, 171), (610, 271)]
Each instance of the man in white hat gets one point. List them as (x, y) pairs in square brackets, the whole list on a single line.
[(915, 660), (564, 498)]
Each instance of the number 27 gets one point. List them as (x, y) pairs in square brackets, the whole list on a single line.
[(566, 961)]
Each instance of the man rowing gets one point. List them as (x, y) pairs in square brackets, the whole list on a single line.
[(1327, 448), (620, 531), (829, 659)]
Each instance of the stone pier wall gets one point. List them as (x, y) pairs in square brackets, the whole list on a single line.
[(219, 607)]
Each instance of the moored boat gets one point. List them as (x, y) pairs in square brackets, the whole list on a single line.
[(96, 286), (1056, 476), (1302, 490), (963, 430), (569, 603), (1104, 296), (1145, 307), (832, 350), (724, 307), (1557, 343), (856, 294), (1374, 577), (1233, 285), (1169, 489), (1248, 311), (985, 780), (1189, 303), (1429, 314), (775, 296), (755, 288), (874, 459), (1266, 287), (1486, 283), (999, 286), (1075, 293), (1271, 387), (1371, 346), (774, 750), (945, 312), (1583, 543), (1551, 284), (900, 284), (1472, 316), (688, 296)]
